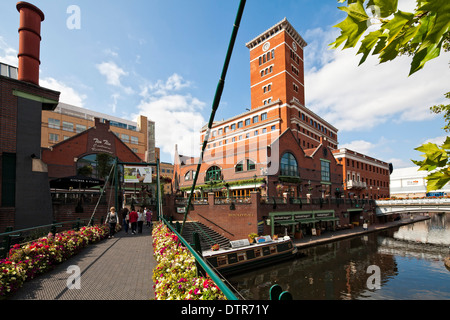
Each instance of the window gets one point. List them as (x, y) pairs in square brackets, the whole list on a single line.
[(134, 140), (68, 126), (272, 128), (255, 119), (187, 176), (288, 166), (264, 116), (325, 170), (233, 126), (80, 128), (125, 138), (240, 124), (239, 167), (213, 173), (53, 137), (247, 122), (220, 132), (251, 165), (53, 123)]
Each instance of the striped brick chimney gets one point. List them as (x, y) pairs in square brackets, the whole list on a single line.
[(29, 41)]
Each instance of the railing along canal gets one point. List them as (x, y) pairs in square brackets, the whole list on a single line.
[(21, 236)]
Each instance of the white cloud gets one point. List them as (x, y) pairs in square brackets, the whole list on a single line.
[(113, 73), (353, 97), (8, 55), (68, 94), (361, 146), (177, 117), (437, 140)]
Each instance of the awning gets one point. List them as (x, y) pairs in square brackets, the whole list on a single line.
[(75, 182)]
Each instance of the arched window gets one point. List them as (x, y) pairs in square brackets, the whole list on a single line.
[(288, 165), (239, 167), (214, 173)]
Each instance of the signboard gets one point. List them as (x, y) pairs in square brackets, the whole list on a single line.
[(137, 174), (324, 214), (299, 217)]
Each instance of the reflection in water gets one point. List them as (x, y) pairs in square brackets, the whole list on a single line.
[(339, 270)]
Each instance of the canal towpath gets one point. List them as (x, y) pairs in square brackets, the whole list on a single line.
[(331, 236)]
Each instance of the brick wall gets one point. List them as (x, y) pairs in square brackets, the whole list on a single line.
[(236, 222)]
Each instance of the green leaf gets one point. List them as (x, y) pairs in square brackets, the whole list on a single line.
[(437, 180), (396, 24), (446, 144), (351, 31), (384, 7), (423, 56), (368, 43), (356, 11)]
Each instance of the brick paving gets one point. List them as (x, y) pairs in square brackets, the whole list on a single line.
[(119, 268)]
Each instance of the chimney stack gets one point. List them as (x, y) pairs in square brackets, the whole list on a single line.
[(29, 41)]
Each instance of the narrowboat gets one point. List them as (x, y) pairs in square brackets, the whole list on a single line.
[(243, 255)]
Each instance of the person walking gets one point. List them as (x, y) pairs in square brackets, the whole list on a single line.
[(148, 216), (125, 219), (133, 220), (141, 219), (112, 218)]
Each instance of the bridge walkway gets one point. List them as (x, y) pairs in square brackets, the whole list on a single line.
[(119, 268)]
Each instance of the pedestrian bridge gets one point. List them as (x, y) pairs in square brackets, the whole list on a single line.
[(387, 207)]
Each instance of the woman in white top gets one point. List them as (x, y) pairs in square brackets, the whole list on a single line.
[(141, 219)]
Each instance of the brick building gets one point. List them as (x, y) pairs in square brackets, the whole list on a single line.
[(364, 177), (24, 194), (66, 121), (248, 152)]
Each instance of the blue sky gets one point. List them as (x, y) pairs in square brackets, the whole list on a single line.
[(163, 59)]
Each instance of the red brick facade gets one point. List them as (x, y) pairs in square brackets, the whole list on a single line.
[(62, 157)]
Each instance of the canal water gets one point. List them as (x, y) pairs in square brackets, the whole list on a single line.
[(402, 263)]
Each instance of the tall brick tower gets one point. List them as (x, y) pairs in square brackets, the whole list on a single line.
[(277, 78), (276, 66)]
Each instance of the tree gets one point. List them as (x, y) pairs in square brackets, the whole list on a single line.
[(420, 34)]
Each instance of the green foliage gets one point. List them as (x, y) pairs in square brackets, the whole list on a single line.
[(421, 34), (437, 157)]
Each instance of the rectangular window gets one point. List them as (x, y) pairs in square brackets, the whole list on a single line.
[(67, 126), (240, 124), (54, 123), (272, 128), (325, 170), (125, 138), (264, 116), (247, 122), (80, 128), (134, 140), (53, 137), (233, 126), (255, 119)]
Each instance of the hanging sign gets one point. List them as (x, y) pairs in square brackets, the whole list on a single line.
[(137, 174)]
